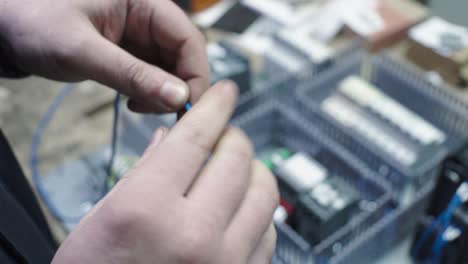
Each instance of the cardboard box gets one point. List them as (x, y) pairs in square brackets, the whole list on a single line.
[(439, 46), (397, 16)]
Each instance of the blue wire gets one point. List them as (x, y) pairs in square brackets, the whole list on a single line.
[(443, 221), (37, 137), (115, 128), (447, 218), (438, 247), (33, 155), (36, 141), (439, 221), (34, 160)]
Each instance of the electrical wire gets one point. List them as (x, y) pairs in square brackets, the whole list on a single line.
[(111, 177), (439, 245), (33, 155), (441, 223), (188, 106), (113, 152), (37, 138), (36, 141)]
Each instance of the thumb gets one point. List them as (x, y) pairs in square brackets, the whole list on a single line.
[(105, 62)]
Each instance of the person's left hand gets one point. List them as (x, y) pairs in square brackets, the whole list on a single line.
[(146, 49)]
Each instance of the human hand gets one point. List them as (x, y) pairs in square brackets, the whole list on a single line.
[(195, 196), (146, 49)]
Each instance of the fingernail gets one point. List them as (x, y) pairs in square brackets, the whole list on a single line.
[(174, 94), (229, 86)]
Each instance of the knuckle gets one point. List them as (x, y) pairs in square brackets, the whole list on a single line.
[(67, 52), (124, 222), (266, 185), (195, 244), (127, 218), (194, 136), (136, 78), (239, 144)]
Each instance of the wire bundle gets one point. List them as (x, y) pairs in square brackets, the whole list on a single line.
[(36, 141), (440, 225)]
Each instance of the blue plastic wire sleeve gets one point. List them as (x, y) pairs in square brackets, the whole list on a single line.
[(188, 106), (438, 246), (113, 144), (459, 198), (440, 222), (33, 155), (440, 242)]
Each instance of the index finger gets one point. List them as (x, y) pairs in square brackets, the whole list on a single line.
[(172, 30), (179, 158)]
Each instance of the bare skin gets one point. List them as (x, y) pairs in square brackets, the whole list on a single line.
[(173, 206), (146, 49)]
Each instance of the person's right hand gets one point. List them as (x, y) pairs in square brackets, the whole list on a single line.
[(196, 196)]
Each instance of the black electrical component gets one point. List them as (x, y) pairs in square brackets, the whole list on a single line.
[(184, 4), (450, 252), (297, 175), (454, 172), (325, 209), (314, 201), (237, 19), (434, 242)]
